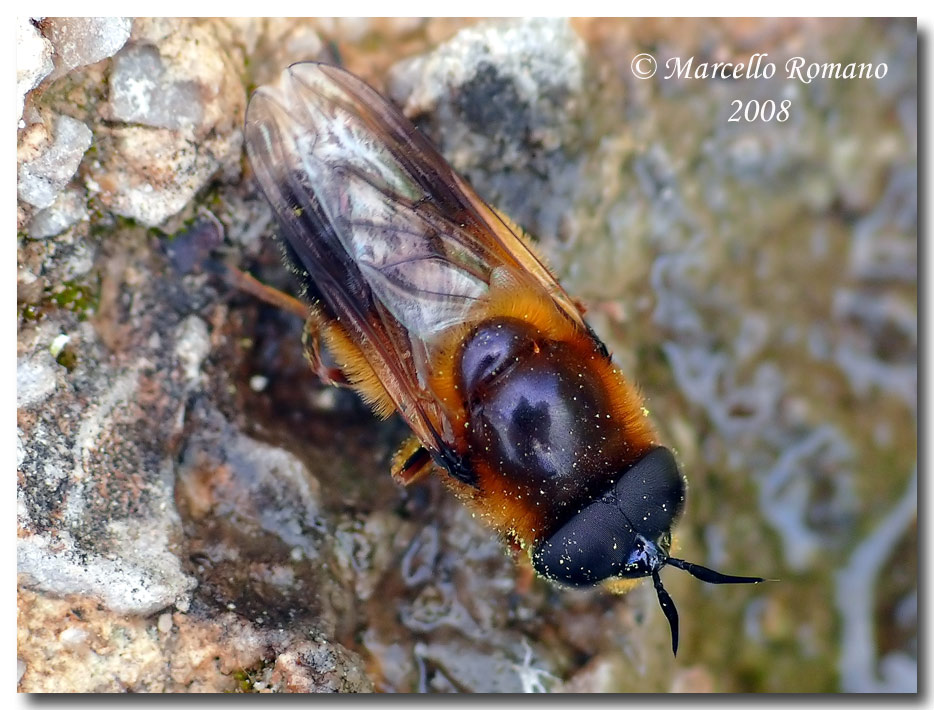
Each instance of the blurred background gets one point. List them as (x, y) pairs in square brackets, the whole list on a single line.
[(758, 280)]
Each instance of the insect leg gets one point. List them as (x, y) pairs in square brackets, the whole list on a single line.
[(247, 283), (525, 575), (525, 571), (315, 320), (315, 325), (411, 462)]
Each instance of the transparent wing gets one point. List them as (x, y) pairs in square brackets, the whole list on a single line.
[(400, 248)]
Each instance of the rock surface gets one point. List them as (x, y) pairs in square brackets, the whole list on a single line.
[(197, 513), (33, 59), (503, 100), (79, 41), (42, 178), (69, 208), (179, 95)]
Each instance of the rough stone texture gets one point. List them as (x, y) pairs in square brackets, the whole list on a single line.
[(68, 209), (280, 41), (53, 138), (95, 511), (79, 41), (42, 177), (145, 579), (36, 379), (320, 668), (196, 512), (140, 92), (72, 643), (151, 174), (501, 100), (181, 96), (33, 59), (237, 494)]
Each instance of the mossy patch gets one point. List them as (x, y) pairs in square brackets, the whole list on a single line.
[(81, 298)]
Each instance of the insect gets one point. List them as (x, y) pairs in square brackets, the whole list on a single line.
[(436, 307)]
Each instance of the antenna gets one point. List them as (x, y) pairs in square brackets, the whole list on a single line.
[(704, 574), (668, 606)]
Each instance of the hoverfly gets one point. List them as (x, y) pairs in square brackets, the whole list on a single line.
[(435, 306)]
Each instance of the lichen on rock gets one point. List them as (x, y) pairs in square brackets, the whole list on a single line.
[(502, 100)]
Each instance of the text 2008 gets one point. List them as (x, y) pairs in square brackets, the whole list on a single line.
[(754, 110)]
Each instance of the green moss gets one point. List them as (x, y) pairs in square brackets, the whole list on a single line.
[(68, 359), (244, 681), (77, 297), (80, 298), (31, 312)]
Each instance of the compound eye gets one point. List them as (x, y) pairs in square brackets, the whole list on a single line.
[(588, 548), (624, 533), (651, 494)]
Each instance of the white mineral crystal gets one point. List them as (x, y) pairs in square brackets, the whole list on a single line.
[(33, 59), (43, 178), (79, 41), (69, 208), (140, 91)]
